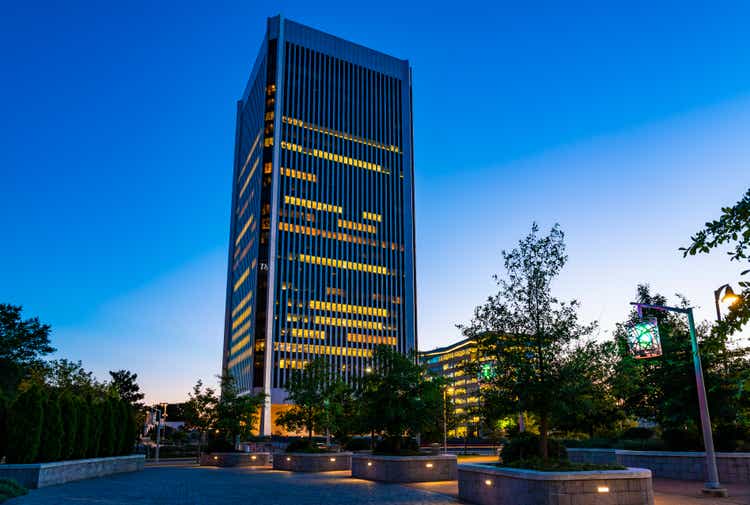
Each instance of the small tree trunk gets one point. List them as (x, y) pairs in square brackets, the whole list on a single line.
[(543, 437)]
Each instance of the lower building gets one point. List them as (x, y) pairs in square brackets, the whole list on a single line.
[(450, 362)]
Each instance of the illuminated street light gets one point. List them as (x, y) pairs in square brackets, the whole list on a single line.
[(730, 298)]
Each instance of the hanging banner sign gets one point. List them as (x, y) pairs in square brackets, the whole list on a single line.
[(643, 338)]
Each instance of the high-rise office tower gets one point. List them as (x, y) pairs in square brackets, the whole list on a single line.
[(321, 250)]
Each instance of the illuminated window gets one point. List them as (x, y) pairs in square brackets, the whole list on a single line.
[(242, 303), (298, 174), (335, 291), (338, 158), (371, 216), (249, 176), (338, 134), (244, 229), (349, 323), (269, 116), (350, 309), (347, 265), (242, 279), (240, 357), (268, 141), (267, 168), (351, 225), (371, 339), (344, 237), (311, 204), (241, 331), (321, 349), (249, 154), (242, 317), (239, 345), (306, 333), (292, 363)]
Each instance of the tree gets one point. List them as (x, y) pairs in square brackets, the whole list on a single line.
[(528, 332), (236, 415), (83, 435), (732, 228), (22, 341), (51, 445), (200, 410), (69, 414), (109, 440), (25, 421), (96, 418), (65, 375), (124, 382), (128, 428), (398, 397), (310, 392)]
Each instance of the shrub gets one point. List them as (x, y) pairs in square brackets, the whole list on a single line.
[(83, 437), (95, 427), (358, 444), (52, 431), (731, 437), (25, 426), (637, 433), (69, 414), (220, 444), (127, 430), (9, 488), (303, 445), (682, 440), (109, 428), (539, 464), (403, 446), (3, 424), (526, 446)]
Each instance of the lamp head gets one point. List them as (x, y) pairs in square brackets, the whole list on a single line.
[(729, 296)]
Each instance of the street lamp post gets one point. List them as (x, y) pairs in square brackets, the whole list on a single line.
[(712, 486), (729, 297)]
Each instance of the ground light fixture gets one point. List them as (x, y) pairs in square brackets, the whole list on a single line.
[(602, 489), (729, 298), (428, 465), (488, 482), (712, 486)]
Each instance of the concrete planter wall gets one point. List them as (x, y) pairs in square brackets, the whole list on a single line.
[(224, 459), (490, 485), (404, 468), (36, 475), (313, 462), (732, 466)]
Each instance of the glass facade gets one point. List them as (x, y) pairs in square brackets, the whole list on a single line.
[(321, 252)]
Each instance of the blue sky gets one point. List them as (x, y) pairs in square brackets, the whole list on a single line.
[(628, 124)]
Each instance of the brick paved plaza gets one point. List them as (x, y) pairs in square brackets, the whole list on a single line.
[(191, 485)]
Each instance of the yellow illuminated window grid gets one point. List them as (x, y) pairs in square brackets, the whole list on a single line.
[(241, 331), (242, 303), (349, 309), (321, 349), (345, 237), (292, 363), (242, 317), (346, 265), (311, 204), (351, 225), (249, 154), (371, 339), (371, 216), (294, 318), (240, 357), (338, 134), (244, 229), (338, 158), (299, 174), (349, 323), (307, 333), (267, 168), (268, 141), (239, 345)]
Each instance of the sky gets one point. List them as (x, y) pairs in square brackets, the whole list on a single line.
[(625, 122)]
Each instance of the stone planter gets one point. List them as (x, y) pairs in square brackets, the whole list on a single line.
[(36, 475), (226, 459), (313, 462), (404, 468), (491, 485), (732, 466)]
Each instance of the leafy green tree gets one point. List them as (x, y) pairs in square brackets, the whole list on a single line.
[(200, 410), (22, 341), (398, 397), (52, 431), (236, 415), (69, 414), (731, 229), (124, 382), (310, 392), (65, 375), (25, 421), (528, 332)]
